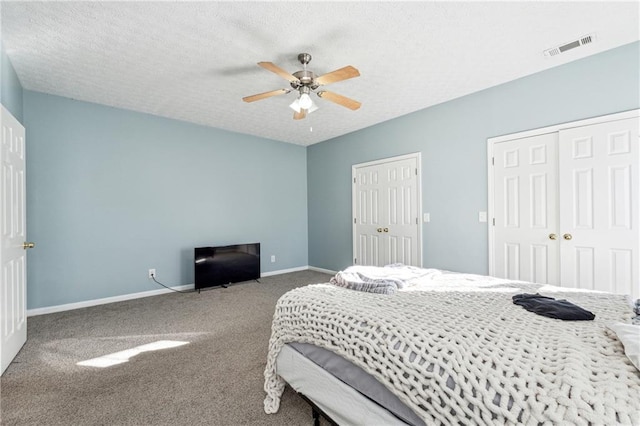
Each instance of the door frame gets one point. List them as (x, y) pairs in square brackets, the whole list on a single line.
[(520, 135), (414, 155)]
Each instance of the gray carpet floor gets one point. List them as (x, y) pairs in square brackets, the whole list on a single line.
[(215, 379)]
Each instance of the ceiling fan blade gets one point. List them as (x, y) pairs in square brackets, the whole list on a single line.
[(338, 75), (265, 95), (270, 66), (340, 100), (300, 115)]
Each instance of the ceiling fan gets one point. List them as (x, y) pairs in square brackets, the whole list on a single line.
[(306, 82)]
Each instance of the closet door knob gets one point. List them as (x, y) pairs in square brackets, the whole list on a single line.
[(567, 237), (386, 229), (553, 237), (379, 229)]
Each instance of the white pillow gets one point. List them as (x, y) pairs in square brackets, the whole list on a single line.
[(629, 335)]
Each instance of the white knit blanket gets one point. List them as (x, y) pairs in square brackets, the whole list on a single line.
[(465, 353), (387, 280)]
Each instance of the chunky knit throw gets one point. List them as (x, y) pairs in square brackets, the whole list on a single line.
[(466, 354), (373, 279)]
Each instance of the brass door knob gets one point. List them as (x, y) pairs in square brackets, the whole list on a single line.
[(379, 229), (553, 237), (28, 245), (567, 237), (386, 229)]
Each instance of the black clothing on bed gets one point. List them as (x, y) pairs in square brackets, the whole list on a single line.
[(552, 308)]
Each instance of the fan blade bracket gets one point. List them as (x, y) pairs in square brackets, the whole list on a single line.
[(340, 100)]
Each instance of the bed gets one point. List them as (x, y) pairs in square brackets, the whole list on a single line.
[(445, 348)]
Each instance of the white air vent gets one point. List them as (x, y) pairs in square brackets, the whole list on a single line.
[(587, 39)]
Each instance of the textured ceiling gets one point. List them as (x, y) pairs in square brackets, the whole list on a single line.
[(195, 61)]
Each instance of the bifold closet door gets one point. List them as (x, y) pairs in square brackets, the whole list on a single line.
[(599, 206), (526, 211), (385, 200)]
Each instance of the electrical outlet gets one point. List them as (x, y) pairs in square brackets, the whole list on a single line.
[(152, 273), (273, 258)]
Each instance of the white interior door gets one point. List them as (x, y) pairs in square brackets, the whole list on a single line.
[(13, 304), (599, 206), (400, 201), (368, 223), (386, 208), (526, 218)]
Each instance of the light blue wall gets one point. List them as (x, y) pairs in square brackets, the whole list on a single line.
[(10, 87), (452, 138), (112, 193)]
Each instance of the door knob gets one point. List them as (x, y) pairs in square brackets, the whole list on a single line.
[(379, 229), (553, 237), (386, 229), (28, 245), (567, 237)]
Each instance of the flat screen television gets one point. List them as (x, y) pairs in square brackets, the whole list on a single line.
[(219, 266)]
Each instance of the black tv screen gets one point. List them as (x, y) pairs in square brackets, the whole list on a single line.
[(216, 266)]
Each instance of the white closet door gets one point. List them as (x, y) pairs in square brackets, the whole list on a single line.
[(526, 218), (386, 207), (401, 205), (599, 205), (368, 194)]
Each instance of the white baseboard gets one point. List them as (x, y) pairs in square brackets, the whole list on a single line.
[(284, 271), (103, 301), (326, 271)]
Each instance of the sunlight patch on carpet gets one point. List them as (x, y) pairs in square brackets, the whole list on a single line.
[(123, 356)]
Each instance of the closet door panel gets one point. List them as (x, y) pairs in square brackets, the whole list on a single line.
[(525, 182), (599, 206), (368, 209), (401, 211)]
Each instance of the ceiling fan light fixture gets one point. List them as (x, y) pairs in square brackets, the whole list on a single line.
[(312, 108), (295, 105), (305, 101)]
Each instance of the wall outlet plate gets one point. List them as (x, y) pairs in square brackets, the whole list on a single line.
[(152, 273)]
